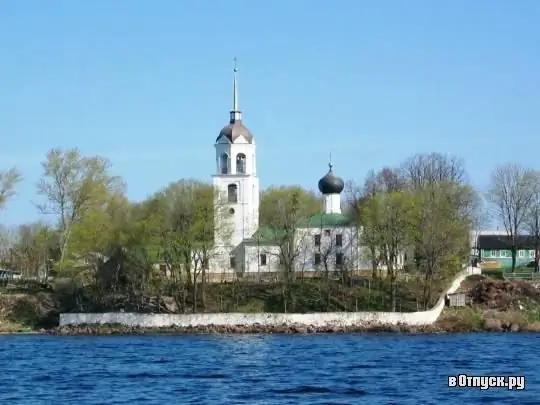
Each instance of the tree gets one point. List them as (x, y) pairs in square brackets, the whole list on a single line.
[(441, 218), (283, 233), (186, 227), (533, 223), (104, 227), (8, 180), (72, 185), (396, 208), (7, 240), (533, 218), (308, 203), (511, 193), (424, 170), (369, 210), (33, 249), (438, 233)]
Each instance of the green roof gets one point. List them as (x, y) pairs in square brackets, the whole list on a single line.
[(326, 220), (265, 236)]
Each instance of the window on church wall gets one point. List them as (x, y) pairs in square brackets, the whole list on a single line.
[(262, 259), (339, 240), (241, 163), (232, 262), (339, 259), (317, 259), (317, 240), (224, 163), (232, 193)]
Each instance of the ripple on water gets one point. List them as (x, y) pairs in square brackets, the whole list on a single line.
[(300, 370)]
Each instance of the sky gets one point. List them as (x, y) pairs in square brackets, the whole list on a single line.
[(149, 85)]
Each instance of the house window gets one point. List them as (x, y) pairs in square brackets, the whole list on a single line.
[(521, 253), (262, 259), (318, 240), (339, 240), (532, 253), (224, 163), (317, 259), (232, 193), (240, 163), (327, 232), (494, 253), (232, 262), (339, 259)]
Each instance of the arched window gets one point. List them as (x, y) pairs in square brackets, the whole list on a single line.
[(224, 163), (240, 163), (232, 193)]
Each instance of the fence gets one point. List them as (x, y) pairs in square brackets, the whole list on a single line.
[(521, 275), (270, 277)]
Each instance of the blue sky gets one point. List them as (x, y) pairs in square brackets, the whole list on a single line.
[(148, 84)]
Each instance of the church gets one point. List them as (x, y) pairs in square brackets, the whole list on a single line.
[(325, 242)]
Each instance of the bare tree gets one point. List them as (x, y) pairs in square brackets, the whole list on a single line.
[(424, 170), (369, 220), (396, 208), (533, 218), (327, 250), (290, 244), (511, 193), (33, 248), (8, 238)]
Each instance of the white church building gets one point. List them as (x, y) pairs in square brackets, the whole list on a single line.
[(325, 242)]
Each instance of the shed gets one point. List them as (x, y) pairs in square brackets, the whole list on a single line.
[(457, 299)]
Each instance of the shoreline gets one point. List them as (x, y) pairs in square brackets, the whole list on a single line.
[(297, 329)]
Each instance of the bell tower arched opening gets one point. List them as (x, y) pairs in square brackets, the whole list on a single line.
[(240, 163), (224, 164)]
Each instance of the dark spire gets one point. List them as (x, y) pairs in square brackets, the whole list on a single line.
[(236, 114)]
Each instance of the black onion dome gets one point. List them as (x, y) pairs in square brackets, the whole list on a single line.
[(331, 184), (234, 130)]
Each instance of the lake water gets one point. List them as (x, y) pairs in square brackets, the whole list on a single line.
[(259, 369)]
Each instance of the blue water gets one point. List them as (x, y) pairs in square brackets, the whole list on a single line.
[(259, 369)]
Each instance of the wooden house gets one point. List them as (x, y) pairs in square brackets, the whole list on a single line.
[(495, 251)]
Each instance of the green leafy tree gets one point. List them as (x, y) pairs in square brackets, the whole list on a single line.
[(273, 199), (8, 180), (72, 185)]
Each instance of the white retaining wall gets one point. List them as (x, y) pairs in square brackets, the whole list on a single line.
[(269, 319)]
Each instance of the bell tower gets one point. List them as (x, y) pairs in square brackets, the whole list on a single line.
[(236, 185)]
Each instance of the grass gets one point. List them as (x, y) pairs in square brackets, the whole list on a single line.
[(300, 296), (22, 310), (461, 318), (309, 295), (521, 273), (497, 274)]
